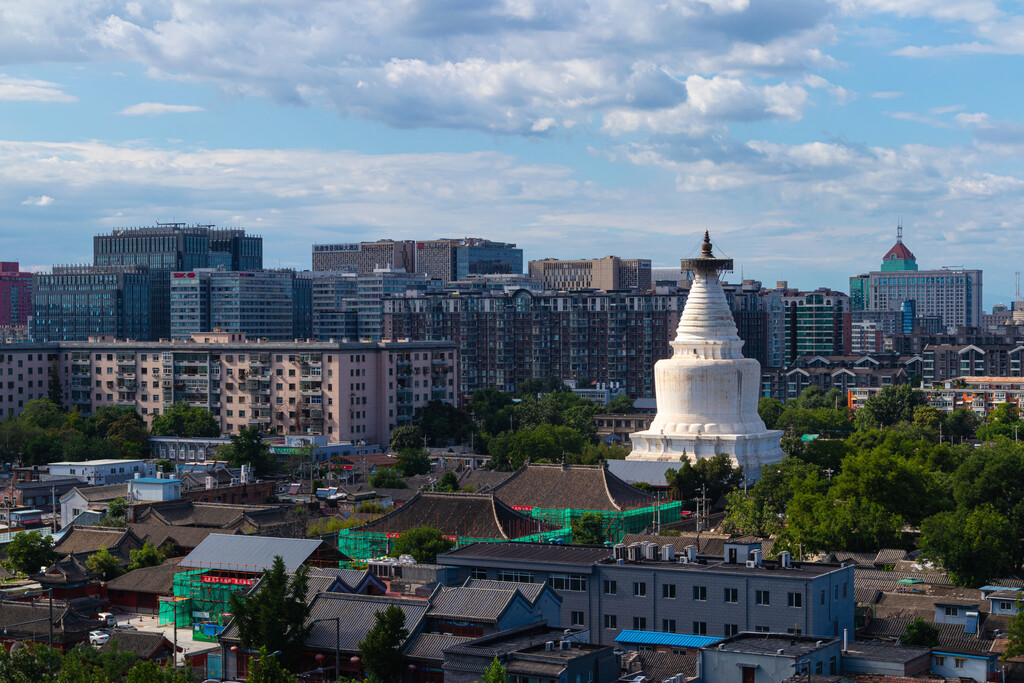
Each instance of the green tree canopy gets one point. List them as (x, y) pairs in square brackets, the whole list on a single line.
[(275, 615), (248, 448), (769, 409), (444, 424), (424, 543), (387, 478), (103, 563), (588, 529), (890, 406), (1015, 634), (29, 551), (621, 404), (382, 647), (404, 438), (413, 461), (181, 419), (449, 482), (146, 556), (268, 669), (919, 633), (492, 408), (972, 545), (495, 673), (543, 443)]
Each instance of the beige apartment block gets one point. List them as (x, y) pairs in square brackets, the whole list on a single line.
[(607, 274)]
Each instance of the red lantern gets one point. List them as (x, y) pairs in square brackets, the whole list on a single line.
[(319, 658), (354, 660), (234, 648), (412, 667)]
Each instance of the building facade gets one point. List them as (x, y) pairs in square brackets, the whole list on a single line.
[(347, 391), (606, 274), (815, 323), (15, 295), (73, 303), (365, 257), (448, 260), (953, 294), (335, 304)]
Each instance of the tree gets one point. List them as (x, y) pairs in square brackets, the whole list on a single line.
[(621, 404), (928, 417), (151, 672), (413, 461), (761, 511), (248, 448), (443, 424), (122, 427), (890, 406), (146, 556), (404, 438), (275, 615), (588, 529), (682, 482), (769, 409), (181, 419), (387, 478), (268, 669), (919, 633), (29, 551), (1015, 634), (103, 563), (424, 543), (547, 385), (718, 475), (542, 443), (972, 545), (495, 673), (492, 408), (961, 424), (382, 647), (449, 482), (54, 389), (117, 508)]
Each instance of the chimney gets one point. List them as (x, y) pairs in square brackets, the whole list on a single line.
[(209, 482)]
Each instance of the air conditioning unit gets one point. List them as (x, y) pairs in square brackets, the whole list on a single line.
[(751, 564), (549, 646), (651, 551), (668, 552), (784, 559), (635, 551), (691, 554), (565, 645), (619, 551)]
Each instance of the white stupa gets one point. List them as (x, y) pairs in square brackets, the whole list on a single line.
[(707, 392)]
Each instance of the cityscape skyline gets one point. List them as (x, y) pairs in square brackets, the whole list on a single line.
[(801, 132)]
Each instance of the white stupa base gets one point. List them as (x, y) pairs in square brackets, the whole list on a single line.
[(752, 452)]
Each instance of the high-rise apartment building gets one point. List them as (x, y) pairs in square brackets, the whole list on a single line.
[(815, 323), (953, 293), (263, 304), (347, 391), (15, 295), (77, 302), (607, 274), (170, 247), (365, 257), (335, 304), (455, 259), (371, 290)]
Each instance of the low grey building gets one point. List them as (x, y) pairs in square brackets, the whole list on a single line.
[(651, 589), (767, 658)]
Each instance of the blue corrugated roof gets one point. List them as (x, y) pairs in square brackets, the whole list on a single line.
[(249, 553), (155, 480), (669, 639)]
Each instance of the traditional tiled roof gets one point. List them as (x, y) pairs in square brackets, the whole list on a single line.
[(431, 646), (85, 540), (889, 556), (145, 644), (466, 515), (472, 604), (185, 537), (29, 620), (213, 515), (66, 571), (951, 636), (102, 494), (482, 480), (158, 580), (900, 251), (530, 591), (582, 487)]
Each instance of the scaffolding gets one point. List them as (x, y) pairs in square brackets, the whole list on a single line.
[(205, 597), (617, 523), (368, 545)]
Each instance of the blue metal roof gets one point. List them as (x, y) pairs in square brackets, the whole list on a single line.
[(668, 639), (155, 480)]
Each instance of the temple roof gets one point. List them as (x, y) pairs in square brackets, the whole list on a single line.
[(586, 487)]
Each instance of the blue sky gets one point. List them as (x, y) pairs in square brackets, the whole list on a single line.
[(799, 132)]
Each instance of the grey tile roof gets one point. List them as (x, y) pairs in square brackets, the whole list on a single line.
[(102, 494), (431, 646), (145, 644), (357, 617), (466, 515), (482, 480), (951, 636), (187, 537), (582, 487), (249, 553), (158, 580), (530, 591), (85, 540), (659, 666), (471, 604), (890, 556)]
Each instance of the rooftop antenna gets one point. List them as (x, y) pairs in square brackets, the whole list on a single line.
[(1016, 277), (899, 230)]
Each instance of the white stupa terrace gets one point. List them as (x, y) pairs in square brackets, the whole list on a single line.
[(707, 392)]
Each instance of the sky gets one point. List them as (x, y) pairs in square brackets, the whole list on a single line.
[(798, 132)]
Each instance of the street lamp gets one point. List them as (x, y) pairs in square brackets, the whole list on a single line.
[(337, 643)]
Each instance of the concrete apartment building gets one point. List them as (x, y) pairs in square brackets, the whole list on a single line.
[(345, 390), (953, 293), (606, 274), (262, 304), (334, 300), (651, 590), (364, 257), (15, 295)]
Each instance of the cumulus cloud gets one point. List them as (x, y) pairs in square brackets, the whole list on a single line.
[(886, 94), (42, 200), (24, 90), (156, 109)]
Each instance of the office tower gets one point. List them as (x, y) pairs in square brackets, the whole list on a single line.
[(952, 293), (15, 295), (365, 257), (170, 247), (78, 302), (335, 304), (456, 259), (374, 287), (607, 274)]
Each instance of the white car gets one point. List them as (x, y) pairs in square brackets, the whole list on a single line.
[(98, 637)]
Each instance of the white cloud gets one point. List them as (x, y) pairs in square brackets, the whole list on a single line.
[(886, 94), (42, 200), (156, 109), (25, 90)]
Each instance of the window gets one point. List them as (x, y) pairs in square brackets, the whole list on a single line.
[(515, 576), (940, 660), (668, 590), (639, 623), (700, 592), (576, 618), (668, 625), (817, 668), (478, 573), (700, 628), (568, 582), (640, 589), (609, 621), (762, 597), (730, 629), (823, 597), (794, 631), (952, 611), (844, 589), (795, 599), (762, 629), (609, 587), (732, 595), (1005, 605)]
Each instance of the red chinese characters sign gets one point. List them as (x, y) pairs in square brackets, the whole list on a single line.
[(228, 580)]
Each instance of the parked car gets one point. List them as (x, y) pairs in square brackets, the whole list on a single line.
[(125, 627), (98, 637), (107, 618)]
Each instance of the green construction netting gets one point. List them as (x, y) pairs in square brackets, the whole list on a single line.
[(205, 601), (368, 545)]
